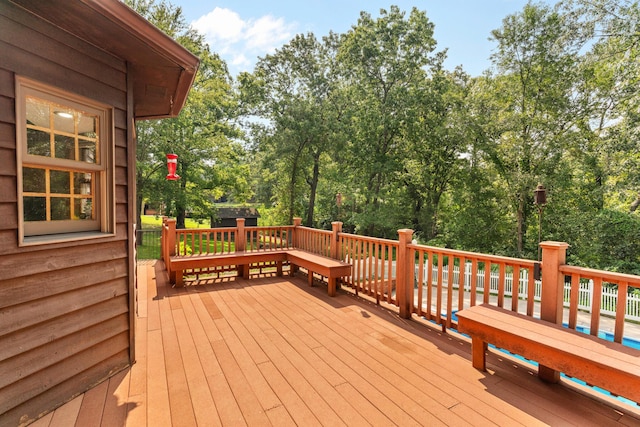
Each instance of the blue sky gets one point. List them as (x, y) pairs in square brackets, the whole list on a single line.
[(243, 30)]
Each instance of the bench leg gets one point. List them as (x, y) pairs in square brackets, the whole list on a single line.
[(179, 278), (548, 375), (331, 281), (479, 353), (244, 269), (310, 277), (279, 268)]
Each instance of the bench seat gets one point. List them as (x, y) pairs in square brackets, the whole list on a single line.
[(608, 365), (186, 262), (330, 268)]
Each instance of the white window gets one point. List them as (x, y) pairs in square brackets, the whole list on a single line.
[(65, 165)]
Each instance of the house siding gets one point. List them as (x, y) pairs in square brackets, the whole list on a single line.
[(65, 316)]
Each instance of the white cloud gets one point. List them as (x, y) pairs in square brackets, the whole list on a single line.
[(220, 25), (268, 33), (240, 42)]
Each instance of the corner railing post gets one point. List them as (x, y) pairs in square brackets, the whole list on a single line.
[(554, 254), (170, 249), (404, 269), (297, 222), (334, 249), (171, 236)]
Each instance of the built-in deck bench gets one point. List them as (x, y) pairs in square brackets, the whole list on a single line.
[(180, 263), (330, 268), (608, 365)]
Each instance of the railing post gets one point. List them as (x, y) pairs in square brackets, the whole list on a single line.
[(241, 235), (554, 254), (334, 250), (240, 245), (170, 249), (297, 222), (171, 236), (404, 274)]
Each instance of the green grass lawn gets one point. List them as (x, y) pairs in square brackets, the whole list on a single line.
[(151, 222)]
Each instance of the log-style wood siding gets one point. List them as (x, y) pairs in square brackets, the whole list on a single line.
[(64, 307)]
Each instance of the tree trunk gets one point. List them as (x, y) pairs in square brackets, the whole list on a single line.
[(180, 218), (292, 190), (313, 188), (520, 224), (635, 204)]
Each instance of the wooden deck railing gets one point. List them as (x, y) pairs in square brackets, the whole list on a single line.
[(623, 282), (374, 265), (440, 291), (427, 281)]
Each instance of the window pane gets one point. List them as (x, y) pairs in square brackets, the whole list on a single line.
[(33, 180), (60, 208), (87, 151), (60, 182), (63, 119), (87, 125), (37, 113), (83, 208), (35, 208), (81, 183), (38, 143), (65, 147)]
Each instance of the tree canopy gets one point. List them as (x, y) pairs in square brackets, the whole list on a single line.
[(368, 127)]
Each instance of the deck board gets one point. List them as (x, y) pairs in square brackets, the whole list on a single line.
[(274, 351)]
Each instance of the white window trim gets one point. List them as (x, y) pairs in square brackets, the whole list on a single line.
[(105, 187)]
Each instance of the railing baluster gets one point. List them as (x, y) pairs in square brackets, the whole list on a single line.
[(531, 291), (474, 281), (596, 301), (439, 289), (420, 280), (515, 288), (462, 279), (450, 283), (621, 308), (430, 256), (501, 284), (487, 282)]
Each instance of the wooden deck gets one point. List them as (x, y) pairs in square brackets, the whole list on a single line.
[(273, 351)]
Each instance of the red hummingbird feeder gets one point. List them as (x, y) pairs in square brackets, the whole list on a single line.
[(172, 164)]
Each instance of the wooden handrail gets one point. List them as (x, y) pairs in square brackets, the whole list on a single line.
[(429, 281)]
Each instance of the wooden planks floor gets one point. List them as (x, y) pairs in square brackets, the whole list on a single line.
[(273, 351)]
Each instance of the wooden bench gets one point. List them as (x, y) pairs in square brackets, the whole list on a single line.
[(605, 364), (330, 268), (180, 263)]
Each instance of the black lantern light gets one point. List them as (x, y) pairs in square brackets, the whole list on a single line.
[(540, 196)]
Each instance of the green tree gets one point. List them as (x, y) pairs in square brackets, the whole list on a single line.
[(210, 160), (435, 134), (531, 107), (383, 59), (294, 90)]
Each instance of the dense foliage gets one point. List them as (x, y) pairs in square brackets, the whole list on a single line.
[(367, 127)]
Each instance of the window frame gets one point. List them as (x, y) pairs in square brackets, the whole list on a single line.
[(103, 171)]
